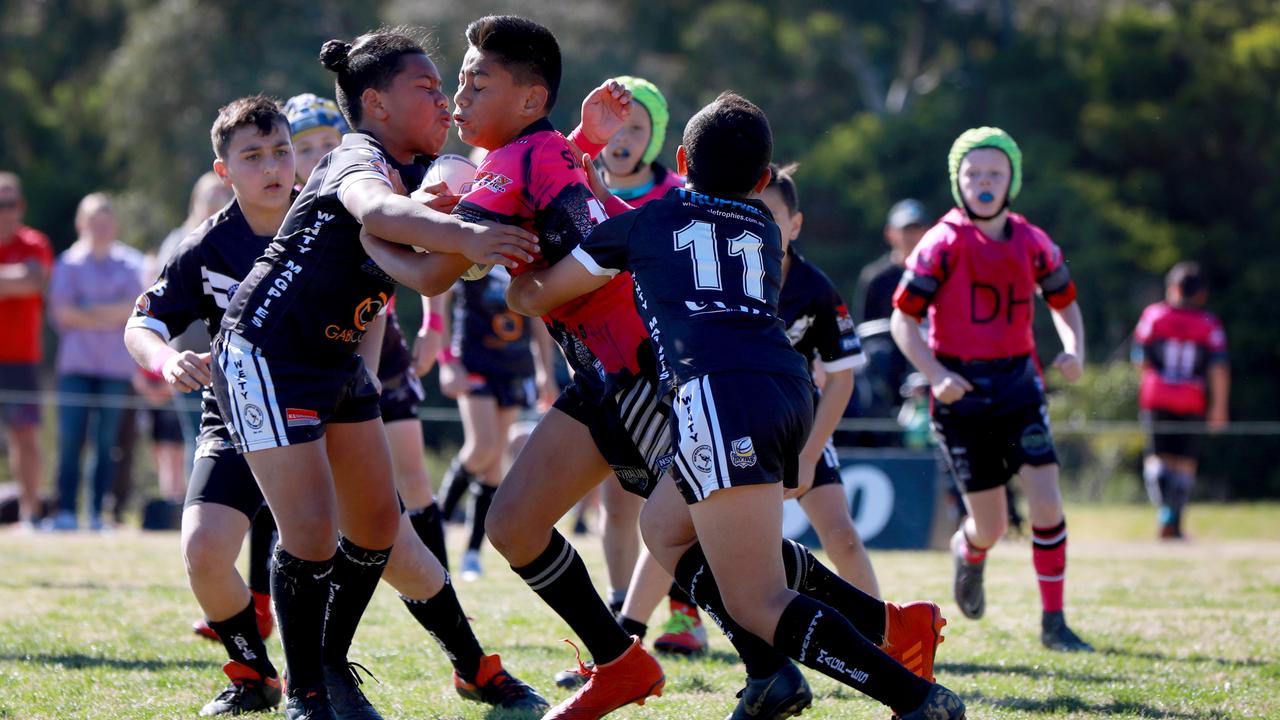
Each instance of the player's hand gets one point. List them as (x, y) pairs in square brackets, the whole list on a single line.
[(804, 479), (453, 380), (605, 110), (950, 387), (499, 244), (187, 370), (1070, 366), (1217, 420), (425, 348), (437, 197)]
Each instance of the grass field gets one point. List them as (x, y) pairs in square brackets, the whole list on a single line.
[(98, 627)]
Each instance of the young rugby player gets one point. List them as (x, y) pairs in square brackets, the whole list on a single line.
[(974, 275), (734, 449), (1185, 377), (290, 373)]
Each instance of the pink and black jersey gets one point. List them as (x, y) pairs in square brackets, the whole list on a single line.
[(1178, 347), (978, 291), (537, 182)]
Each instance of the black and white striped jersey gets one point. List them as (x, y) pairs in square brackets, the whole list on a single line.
[(197, 284)]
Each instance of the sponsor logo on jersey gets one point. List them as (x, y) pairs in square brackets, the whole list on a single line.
[(702, 459), (295, 417), (253, 415), (844, 321), (1036, 440), (144, 304), (743, 452), (492, 181)]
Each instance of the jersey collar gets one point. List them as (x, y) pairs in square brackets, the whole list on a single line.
[(537, 126)]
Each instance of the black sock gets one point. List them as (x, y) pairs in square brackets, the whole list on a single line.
[(455, 484), (632, 627), (821, 638), (262, 541), (809, 577), (678, 594), (239, 635), (617, 598), (560, 578), (429, 526), (300, 591), (480, 511), (442, 616), (356, 572), (694, 575)]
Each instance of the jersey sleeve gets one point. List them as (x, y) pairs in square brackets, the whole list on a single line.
[(1055, 282), (606, 251), (1217, 341), (835, 334), (352, 162), (565, 211), (169, 306), (927, 268)]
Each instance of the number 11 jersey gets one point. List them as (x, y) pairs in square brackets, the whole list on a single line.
[(707, 273)]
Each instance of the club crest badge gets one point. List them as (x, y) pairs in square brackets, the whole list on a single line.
[(743, 453)]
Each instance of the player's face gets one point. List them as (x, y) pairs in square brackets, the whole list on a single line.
[(310, 147), (626, 148), (11, 209), (787, 223), (260, 167), (490, 106), (417, 108), (984, 180)]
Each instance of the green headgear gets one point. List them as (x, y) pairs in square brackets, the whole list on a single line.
[(651, 99), (992, 137)]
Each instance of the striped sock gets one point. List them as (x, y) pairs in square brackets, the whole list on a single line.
[(1049, 556), (560, 578)]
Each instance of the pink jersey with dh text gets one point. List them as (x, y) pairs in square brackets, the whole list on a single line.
[(1178, 347), (978, 292)]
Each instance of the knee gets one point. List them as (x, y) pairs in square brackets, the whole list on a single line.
[(206, 552), (478, 456), (311, 537), (989, 531), (843, 538), (504, 526), (758, 614)]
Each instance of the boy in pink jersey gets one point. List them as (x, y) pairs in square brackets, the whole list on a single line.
[(974, 275), (1185, 376)]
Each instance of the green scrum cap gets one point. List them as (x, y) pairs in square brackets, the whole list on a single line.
[(992, 137), (652, 100)]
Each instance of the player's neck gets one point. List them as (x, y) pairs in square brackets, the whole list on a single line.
[(644, 175), (400, 152), (264, 221)]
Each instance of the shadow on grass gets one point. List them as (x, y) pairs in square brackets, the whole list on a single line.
[(79, 661), (1063, 704), (972, 668), (1158, 657)]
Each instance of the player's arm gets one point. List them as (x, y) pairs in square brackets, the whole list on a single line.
[(184, 370), (1219, 379), (429, 273), (399, 219), (831, 404), (370, 346), (544, 351), (434, 331), (164, 310), (539, 292), (1069, 323), (947, 386), (604, 111)]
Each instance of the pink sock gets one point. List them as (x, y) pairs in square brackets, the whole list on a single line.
[(1049, 556)]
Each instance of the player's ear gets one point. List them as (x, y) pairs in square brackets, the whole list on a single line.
[(797, 220), (535, 101), (371, 103), (682, 162), (762, 182), (220, 169)]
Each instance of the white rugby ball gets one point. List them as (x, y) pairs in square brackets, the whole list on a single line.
[(455, 171)]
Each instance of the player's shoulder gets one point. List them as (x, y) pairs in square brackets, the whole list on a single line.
[(947, 231)]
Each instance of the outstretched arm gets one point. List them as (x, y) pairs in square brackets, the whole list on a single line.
[(1070, 325), (539, 292), (429, 273), (947, 386)]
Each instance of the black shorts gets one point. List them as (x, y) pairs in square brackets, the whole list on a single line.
[(400, 397), (20, 378), (165, 426), (509, 391), (274, 402), (739, 428), (220, 475), (828, 470), (630, 428), (1167, 442)]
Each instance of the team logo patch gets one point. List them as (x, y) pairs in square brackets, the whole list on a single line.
[(144, 304), (253, 415), (844, 321), (702, 459), (491, 181), (301, 418), (743, 453), (1036, 440)]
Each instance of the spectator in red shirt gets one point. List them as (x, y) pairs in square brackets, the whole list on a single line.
[(1185, 378), (25, 260)]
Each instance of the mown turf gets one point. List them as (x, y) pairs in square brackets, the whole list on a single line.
[(98, 627)]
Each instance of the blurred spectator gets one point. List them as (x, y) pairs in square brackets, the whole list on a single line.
[(91, 297), (878, 392), (25, 259)]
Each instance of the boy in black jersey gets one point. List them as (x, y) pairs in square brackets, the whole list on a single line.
[(707, 265)]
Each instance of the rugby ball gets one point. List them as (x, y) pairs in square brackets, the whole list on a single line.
[(455, 171)]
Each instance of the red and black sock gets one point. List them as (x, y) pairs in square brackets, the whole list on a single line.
[(240, 636), (479, 512), (262, 543), (300, 591), (356, 572), (678, 594), (560, 578), (442, 616), (1049, 556), (428, 525)]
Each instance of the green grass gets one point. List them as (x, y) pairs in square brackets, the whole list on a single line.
[(98, 627)]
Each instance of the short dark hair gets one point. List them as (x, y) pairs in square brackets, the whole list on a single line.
[(372, 61), (258, 110), (727, 145), (782, 179), (1186, 276), (526, 49)]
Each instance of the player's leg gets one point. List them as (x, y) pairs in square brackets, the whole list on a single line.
[(414, 484), (1182, 478), (485, 489), (1049, 553), (26, 462), (478, 451), (828, 511), (73, 425), (262, 545), (649, 584), (620, 537)]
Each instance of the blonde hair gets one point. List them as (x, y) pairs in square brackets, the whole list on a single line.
[(91, 203)]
